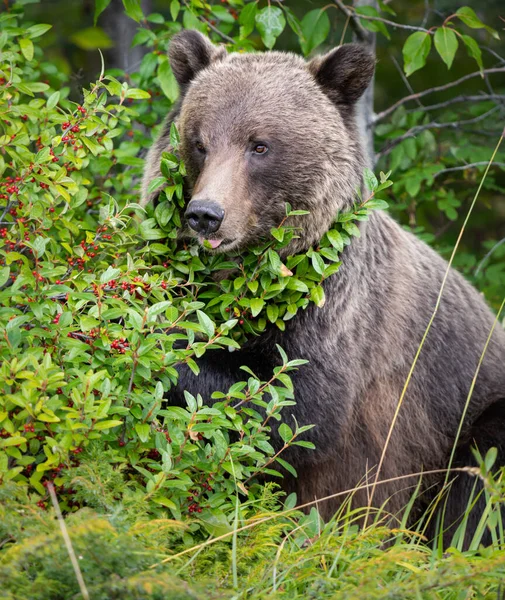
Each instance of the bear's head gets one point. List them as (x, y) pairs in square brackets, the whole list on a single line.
[(260, 130)]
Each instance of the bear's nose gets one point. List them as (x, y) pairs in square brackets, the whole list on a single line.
[(204, 216)]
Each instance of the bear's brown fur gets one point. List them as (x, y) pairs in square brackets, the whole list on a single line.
[(361, 345)]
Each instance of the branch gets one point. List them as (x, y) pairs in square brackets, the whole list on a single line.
[(350, 12), (495, 54), (438, 88), (406, 81), (495, 247), (216, 30), (358, 28), (480, 163), (479, 98), (434, 125)]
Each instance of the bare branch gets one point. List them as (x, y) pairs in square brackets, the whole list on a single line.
[(405, 80), (462, 98), (359, 30), (432, 90), (434, 125), (427, 11), (495, 54), (350, 11), (216, 30), (495, 247), (481, 163)]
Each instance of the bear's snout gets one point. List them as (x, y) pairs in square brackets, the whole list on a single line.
[(204, 216)]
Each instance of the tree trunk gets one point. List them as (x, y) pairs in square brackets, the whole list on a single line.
[(121, 29), (365, 109)]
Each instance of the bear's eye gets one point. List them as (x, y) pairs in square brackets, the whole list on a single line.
[(260, 149), (200, 147)]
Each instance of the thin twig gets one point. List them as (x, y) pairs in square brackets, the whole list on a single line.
[(458, 99), (426, 13), (216, 30), (357, 27), (68, 542), (438, 88), (434, 125), (480, 163), (495, 247), (405, 80), (495, 54)]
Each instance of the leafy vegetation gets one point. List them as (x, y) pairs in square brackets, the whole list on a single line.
[(99, 304)]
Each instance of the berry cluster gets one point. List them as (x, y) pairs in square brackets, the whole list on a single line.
[(121, 345)]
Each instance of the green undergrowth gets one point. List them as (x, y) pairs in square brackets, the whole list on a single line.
[(121, 554)]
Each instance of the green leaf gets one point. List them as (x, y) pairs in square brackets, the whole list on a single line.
[(215, 522), (158, 308), (335, 239), (317, 263), (164, 501), (26, 46), (110, 274), (247, 19), (222, 14), (167, 81), (470, 19), (4, 275), (375, 26), (351, 228), (317, 296), (207, 324), (287, 466), (38, 30), (163, 213), (143, 431), (137, 94), (270, 22), (377, 204), (133, 10), (100, 6), (272, 312), (370, 180), (92, 38), (315, 29), (415, 51), (446, 44), (156, 183), (257, 305), (53, 100), (107, 424), (285, 433), (175, 7), (473, 50)]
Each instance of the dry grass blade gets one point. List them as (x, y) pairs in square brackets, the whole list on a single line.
[(307, 505), (68, 542)]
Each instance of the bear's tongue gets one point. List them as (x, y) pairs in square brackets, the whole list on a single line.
[(214, 243)]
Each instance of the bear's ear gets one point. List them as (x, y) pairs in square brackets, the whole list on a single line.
[(190, 52), (344, 73)]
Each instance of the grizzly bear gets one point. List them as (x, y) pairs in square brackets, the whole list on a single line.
[(260, 130)]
